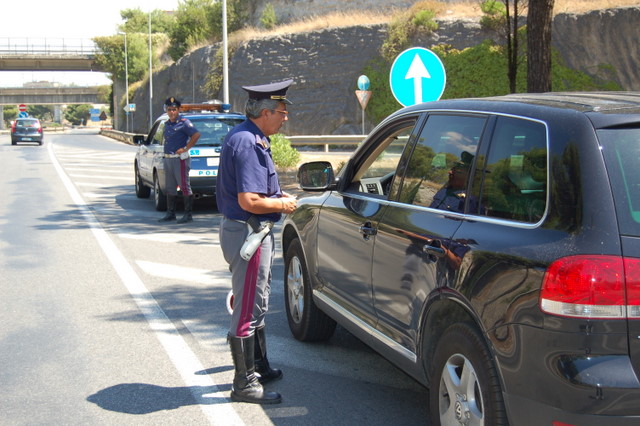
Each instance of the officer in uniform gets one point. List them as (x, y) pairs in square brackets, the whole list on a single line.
[(179, 137), (248, 190)]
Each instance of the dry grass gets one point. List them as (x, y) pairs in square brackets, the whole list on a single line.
[(464, 9)]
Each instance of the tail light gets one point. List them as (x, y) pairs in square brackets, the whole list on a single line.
[(592, 286), (39, 127), (13, 125)]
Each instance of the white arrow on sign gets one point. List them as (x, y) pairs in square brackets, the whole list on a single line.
[(417, 71)]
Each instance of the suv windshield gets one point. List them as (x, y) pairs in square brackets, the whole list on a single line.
[(621, 150), (213, 129)]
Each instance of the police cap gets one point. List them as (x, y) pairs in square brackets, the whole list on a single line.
[(172, 102), (276, 91)]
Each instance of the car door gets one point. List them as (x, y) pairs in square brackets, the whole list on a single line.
[(413, 253), (349, 218), (151, 153)]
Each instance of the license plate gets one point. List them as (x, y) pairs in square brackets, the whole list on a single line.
[(27, 139)]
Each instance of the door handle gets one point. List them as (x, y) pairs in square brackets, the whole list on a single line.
[(367, 230)]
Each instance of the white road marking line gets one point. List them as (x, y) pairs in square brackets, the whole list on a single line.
[(170, 238), (101, 176), (183, 273), (174, 345)]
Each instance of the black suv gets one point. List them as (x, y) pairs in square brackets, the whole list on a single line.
[(490, 248), (213, 125)]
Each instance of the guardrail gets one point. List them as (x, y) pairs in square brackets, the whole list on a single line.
[(46, 46), (326, 141)]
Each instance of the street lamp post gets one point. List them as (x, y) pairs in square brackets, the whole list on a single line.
[(150, 76), (225, 53), (126, 80), (126, 77)]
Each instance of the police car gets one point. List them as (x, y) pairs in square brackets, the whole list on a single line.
[(213, 121)]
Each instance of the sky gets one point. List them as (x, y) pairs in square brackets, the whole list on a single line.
[(37, 22)]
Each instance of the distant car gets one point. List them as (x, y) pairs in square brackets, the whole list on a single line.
[(213, 125), (26, 130), (490, 248)]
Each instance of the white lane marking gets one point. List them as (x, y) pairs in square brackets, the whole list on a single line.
[(174, 345), (100, 176), (182, 273), (170, 238)]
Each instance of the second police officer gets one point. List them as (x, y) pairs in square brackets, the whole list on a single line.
[(180, 136)]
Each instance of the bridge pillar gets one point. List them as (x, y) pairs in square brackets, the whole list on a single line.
[(57, 114), (1, 117)]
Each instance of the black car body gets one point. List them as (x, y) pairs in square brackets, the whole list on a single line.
[(26, 130), (490, 248), (213, 125)]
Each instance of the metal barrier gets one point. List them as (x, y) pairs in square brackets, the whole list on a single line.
[(46, 46), (326, 140), (296, 141)]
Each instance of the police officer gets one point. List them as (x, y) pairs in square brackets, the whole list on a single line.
[(248, 190), (179, 137)]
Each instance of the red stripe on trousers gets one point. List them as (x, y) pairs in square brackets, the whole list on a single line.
[(249, 294)]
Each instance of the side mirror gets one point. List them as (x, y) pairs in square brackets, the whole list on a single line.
[(140, 140), (316, 176)]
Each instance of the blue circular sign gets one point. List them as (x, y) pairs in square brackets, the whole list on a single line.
[(417, 75), (363, 82)]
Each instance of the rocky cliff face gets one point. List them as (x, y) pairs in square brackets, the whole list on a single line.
[(610, 36), (325, 65)]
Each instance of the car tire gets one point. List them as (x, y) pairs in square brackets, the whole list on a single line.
[(464, 382), (306, 321), (142, 191), (159, 197)]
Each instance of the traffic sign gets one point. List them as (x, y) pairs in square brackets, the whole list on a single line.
[(417, 75), (363, 97), (363, 82), (22, 108), (130, 108), (23, 114)]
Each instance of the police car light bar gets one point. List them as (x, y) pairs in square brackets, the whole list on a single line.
[(215, 106)]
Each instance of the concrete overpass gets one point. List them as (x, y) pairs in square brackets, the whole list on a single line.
[(48, 54), (50, 95)]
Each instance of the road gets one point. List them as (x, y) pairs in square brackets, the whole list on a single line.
[(109, 317)]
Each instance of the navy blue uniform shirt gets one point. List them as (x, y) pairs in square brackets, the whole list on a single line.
[(177, 135), (246, 165)]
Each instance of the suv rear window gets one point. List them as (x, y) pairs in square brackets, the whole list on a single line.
[(515, 175), (621, 148)]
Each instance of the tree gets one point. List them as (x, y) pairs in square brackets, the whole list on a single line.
[(77, 114), (137, 21), (200, 21), (136, 26), (502, 17), (42, 112), (539, 20)]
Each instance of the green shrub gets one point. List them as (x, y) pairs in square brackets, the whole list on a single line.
[(284, 155), (268, 18)]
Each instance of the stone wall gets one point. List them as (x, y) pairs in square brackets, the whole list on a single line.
[(325, 65)]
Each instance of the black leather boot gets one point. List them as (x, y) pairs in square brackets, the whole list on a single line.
[(263, 370), (246, 387), (171, 209), (188, 207)]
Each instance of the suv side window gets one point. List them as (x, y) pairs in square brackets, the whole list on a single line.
[(438, 172), (515, 174), (375, 175)]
